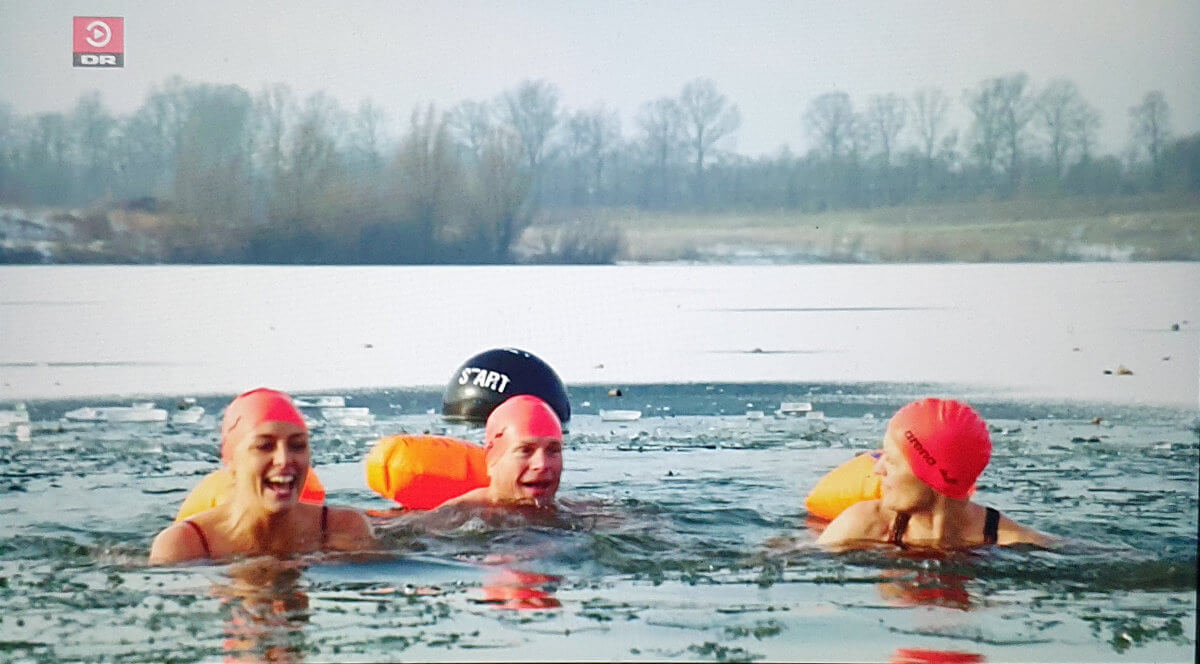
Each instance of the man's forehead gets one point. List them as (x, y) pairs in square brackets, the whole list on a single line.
[(529, 438)]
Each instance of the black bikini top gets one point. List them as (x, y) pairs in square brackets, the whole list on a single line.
[(991, 527)]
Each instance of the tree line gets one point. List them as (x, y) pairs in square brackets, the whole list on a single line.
[(269, 177)]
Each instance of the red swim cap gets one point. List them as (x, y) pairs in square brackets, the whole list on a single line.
[(252, 408), (946, 443), (522, 416)]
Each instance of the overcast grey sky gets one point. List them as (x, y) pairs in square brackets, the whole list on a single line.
[(770, 58)]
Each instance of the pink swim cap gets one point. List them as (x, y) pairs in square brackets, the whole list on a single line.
[(252, 408), (946, 443), (522, 416)]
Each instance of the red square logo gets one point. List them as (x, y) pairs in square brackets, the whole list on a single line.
[(99, 34), (98, 41)]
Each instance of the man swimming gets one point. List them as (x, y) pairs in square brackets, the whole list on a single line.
[(523, 442), (933, 451), (265, 446)]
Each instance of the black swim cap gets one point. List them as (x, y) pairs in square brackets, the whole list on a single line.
[(486, 380)]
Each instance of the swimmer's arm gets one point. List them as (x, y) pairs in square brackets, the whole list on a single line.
[(1011, 532), (175, 545), (350, 530), (856, 523), (473, 497)]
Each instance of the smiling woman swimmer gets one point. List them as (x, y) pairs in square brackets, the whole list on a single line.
[(933, 451), (264, 444), (523, 439)]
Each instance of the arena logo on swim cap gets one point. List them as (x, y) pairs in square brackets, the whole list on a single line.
[(485, 378), (924, 454), (98, 41)]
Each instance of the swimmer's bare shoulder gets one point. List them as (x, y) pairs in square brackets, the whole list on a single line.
[(861, 522), (176, 544), (349, 530)]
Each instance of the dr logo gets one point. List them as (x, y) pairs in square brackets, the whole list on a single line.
[(98, 41)]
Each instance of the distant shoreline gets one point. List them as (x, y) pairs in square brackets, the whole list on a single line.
[(1119, 229), (1114, 229)]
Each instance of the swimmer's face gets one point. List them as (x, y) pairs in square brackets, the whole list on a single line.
[(902, 490), (270, 464), (527, 471)]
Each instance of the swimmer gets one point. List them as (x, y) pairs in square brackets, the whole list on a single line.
[(932, 452), (523, 439), (264, 444)]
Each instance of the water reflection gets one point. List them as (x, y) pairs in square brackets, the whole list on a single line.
[(919, 656), (264, 609), (925, 588), (519, 590)]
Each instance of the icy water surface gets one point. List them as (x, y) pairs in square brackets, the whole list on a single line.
[(682, 537)]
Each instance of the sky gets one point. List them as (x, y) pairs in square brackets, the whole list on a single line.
[(770, 58)]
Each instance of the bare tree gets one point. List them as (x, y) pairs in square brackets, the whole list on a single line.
[(589, 138), (1067, 121), (985, 127), (94, 132), (707, 118), (661, 123), (9, 152), (502, 192), (211, 167), (47, 157), (428, 177), (533, 113), (830, 120), (156, 129), (312, 158), (1016, 111), (366, 137), (1084, 126), (929, 111), (1150, 129), (886, 115), (1003, 108), (274, 114), (471, 123)]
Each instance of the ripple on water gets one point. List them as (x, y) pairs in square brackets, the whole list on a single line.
[(684, 534)]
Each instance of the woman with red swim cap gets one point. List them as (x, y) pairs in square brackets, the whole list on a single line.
[(933, 451), (523, 439), (264, 444)]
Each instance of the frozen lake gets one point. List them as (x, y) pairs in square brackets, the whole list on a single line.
[(1037, 330)]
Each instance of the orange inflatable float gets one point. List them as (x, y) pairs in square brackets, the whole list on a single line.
[(849, 483), (422, 472), (211, 491)]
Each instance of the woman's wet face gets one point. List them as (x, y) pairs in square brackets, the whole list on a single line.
[(271, 463), (902, 490)]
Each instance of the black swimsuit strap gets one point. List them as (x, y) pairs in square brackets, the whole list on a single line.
[(200, 533), (898, 528), (324, 522), (991, 526)]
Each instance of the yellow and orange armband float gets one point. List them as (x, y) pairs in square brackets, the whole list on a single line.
[(421, 472), (852, 482)]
